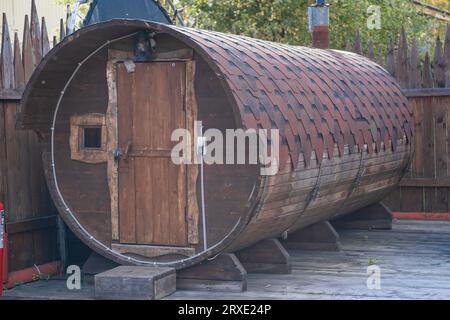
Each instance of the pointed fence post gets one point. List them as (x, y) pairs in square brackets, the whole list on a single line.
[(358, 43), (390, 59), (18, 64), (414, 66), (439, 65), (7, 61), (62, 30), (348, 46), (35, 32), (371, 51), (427, 76), (27, 51), (402, 60), (44, 38), (447, 56)]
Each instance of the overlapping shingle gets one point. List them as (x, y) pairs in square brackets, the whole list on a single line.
[(316, 98)]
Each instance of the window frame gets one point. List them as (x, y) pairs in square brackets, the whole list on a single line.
[(78, 124)]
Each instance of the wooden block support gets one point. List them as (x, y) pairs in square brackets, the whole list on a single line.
[(374, 217), (224, 273), (267, 256), (96, 264), (320, 236), (135, 283)]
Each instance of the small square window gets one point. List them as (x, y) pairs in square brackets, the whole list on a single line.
[(92, 137)]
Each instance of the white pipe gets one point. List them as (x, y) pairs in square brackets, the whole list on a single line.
[(202, 188)]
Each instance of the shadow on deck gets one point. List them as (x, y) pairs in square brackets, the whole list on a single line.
[(414, 259)]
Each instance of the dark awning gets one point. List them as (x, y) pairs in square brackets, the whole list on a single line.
[(105, 10)]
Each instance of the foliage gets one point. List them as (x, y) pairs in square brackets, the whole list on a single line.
[(444, 4), (287, 20), (372, 262), (84, 8)]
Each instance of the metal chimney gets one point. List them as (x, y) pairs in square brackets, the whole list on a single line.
[(319, 24)]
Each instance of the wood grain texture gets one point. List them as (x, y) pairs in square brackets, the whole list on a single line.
[(135, 283), (111, 144), (193, 213), (152, 251), (159, 186)]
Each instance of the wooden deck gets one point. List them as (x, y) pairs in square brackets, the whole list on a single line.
[(414, 259)]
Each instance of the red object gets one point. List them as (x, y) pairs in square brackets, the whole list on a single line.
[(33, 273), (2, 238), (434, 216), (321, 37), (5, 257)]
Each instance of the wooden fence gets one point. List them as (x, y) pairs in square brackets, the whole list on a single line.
[(31, 217), (426, 82)]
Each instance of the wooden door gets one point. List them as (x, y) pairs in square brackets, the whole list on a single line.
[(152, 189)]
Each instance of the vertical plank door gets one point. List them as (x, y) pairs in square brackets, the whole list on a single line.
[(152, 189)]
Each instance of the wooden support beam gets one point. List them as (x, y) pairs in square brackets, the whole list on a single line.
[(135, 283), (11, 94), (427, 92), (374, 217), (267, 256), (31, 225), (425, 183), (62, 242), (96, 264), (320, 236), (224, 273)]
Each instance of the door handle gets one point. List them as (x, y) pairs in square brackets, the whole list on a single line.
[(120, 154), (117, 153)]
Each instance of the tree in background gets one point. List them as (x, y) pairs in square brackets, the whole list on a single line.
[(287, 21), (444, 4)]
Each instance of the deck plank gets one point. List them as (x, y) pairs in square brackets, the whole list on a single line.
[(414, 259)]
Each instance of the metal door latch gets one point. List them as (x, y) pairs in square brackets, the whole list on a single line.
[(117, 153)]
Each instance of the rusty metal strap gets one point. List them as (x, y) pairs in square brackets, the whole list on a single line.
[(311, 197), (355, 184)]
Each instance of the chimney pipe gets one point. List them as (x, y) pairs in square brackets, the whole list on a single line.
[(319, 24)]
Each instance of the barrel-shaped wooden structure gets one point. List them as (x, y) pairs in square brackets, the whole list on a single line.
[(106, 100)]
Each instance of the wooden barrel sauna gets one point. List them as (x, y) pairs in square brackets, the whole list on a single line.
[(104, 102)]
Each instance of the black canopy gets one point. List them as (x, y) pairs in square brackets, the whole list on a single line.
[(104, 10)]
